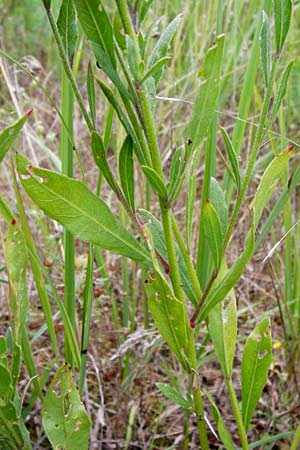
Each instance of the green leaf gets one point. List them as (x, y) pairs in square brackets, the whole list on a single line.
[(157, 233), (220, 290), (171, 319), (126, 171), (222, 326), (65, 420), (109, 69), (15, 249), (161, 48), (172, 394), (156, 68), (282, 14), (144, 5), (268, 184), (73, 205), (257, 357), (190, 207), (67, 26), (224, 434), (12, 428), (131, 58), (6, 382), (205, 103), (217, 198), (281, 93), (265, 46), (122, 117), (233, 159), (213, 232), (91, 93), (9, 134), (155, 181), (101, 160), (97, 27), (175, 168)]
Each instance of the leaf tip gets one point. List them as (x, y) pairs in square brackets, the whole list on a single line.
[(192, 324), (29, 112), (13, 222)]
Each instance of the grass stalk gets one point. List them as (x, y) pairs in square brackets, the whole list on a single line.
[(237, 414)]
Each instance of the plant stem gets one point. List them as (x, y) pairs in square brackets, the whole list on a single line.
[(296, 439), (67, 68), (237, 414), (253, 155), (200, 413), (67, 169)]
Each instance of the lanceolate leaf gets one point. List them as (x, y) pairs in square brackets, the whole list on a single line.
[(156, 68), (161, 48), (256, 361), (16, 259), (220, 290), (265, 46), (73, 205), (175, 168), (67, 26), (65, 420), (90, 84), (9, 134), (217, 198), (282, 13), (12, 428), (190, 206), (174, 395), (96, 25), (155, 181), (233, 159), (222, 325), (268, 184), (206, 99), (156, 230), (281, 93), (213, 232), (224, 434), (170, 317), (126, 171), (101, 161)]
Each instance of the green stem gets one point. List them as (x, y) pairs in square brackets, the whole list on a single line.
[(67, 169), (67, 68), (296, 439), (187, 258), (237, 414), (200, 413), (253, 155)]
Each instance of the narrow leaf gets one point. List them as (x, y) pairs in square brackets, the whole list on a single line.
[(157, 233), (222, 430), (174, 395), (91, 93), (257, 357), (171, 319), (64, 418), (233, 159), (281, 93), (282, 14), (96, 25), (67, 26), (175, 168), (268, 184), (190, 207), (217, 198), (222, 326), (15, 249), (73, 205), (155, 181), (9, 134), (101, 160), (161, 48), (213, 232), (126, 171), (205, 103), (157, 67), (265, 46)]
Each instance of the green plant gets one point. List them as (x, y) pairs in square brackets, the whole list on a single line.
[(173, 283)]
